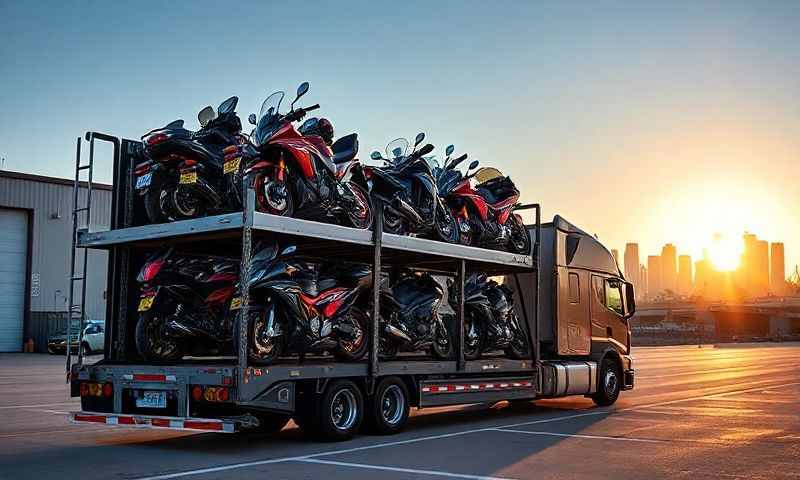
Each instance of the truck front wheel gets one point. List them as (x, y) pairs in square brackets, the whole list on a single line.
[(609, 386)]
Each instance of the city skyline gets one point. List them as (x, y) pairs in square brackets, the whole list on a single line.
[(728, 267)]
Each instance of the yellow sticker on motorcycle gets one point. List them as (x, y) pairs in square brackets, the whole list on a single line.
[(188, 177), (236, 303), (146, 303), (231, 165)]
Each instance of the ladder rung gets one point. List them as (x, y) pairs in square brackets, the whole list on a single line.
[(84, 167), (77, 278), (82, 209)]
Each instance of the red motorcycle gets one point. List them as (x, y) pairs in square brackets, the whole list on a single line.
[(300, 175), (484, 211)]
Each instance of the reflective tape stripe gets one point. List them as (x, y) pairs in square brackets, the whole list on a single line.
[(447, 388), (156, 422)]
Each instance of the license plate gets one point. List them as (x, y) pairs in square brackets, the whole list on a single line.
[(236, 303), (144, 180), (146, 303), (231, 165), (188, 177), (152, 399)]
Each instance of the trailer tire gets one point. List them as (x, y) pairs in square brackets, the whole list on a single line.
[(388, 408), (337, 413), (608, 383)]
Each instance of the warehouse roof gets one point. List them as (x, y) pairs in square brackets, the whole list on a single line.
[(45, 179)]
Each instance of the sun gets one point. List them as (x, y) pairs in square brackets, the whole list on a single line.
[(725, 252)]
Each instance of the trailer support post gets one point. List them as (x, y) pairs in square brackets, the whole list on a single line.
[(249, 199), (374, 330), (459, 323)]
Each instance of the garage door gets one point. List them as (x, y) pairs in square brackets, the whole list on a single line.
[(13, 263)]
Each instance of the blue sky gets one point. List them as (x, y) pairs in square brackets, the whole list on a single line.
[(624, 117)]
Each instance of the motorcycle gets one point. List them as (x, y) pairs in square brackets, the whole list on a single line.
[(490, 322), (485, 212), (406, 187), (183, 300), (299, 175), (191, 174), (410, 318), (303, 307)]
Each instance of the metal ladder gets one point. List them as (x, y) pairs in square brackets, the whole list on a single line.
[(73, 277)]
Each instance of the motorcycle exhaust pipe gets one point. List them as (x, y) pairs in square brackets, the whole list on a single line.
[(403, 207), (396, 332)]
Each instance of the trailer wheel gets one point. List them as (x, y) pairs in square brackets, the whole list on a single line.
[(387, 410), (609, 386), (337, 413)]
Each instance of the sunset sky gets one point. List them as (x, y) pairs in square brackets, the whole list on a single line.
[(643, 121)]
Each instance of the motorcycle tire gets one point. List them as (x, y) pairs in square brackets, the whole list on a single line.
[(520, 241), (387, 349), (446, 226), (152, 342), (164, 202), (362, 222), (392, 223), (465, 238), (258, 352), (354, 351), (518, 349), (473, 351), (438, 349), (263, 185)]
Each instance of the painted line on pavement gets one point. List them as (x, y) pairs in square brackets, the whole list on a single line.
[(6, 407), (605, 411), (577, 435), (437, 473)]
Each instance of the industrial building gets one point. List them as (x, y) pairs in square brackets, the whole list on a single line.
[(35, 249)]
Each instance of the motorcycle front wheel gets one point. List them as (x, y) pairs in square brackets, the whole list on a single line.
[(442, 347), (262, 348), (446, 225), (474, 337), (520, 241), (361, 216), (354, 349), (153, 342), (392, 223), (274, 197), (518, 348)]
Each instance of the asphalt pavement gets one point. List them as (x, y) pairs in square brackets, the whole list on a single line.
[(695, 413)]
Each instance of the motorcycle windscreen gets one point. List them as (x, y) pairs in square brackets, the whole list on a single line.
[(486, 174)]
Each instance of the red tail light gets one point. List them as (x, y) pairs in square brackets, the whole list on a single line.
[(84, 389), (197, 393), (150, 270), (156, 139), (188, 163), (108, 390), (211, 394), (142, 168)]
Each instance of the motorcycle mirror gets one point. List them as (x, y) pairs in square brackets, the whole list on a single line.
[(376, 155), (252, 118), (420, 137), (449, 150), (428, 148), (206, 115), (302, 89), (289, 250), (474, 164), (228, 105)]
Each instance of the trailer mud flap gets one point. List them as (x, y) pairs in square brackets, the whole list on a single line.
[(475, 390)]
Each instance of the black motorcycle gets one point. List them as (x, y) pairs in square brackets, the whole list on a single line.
[(490, 322), (299, 307), (192, 174), (410, 318), (183, 305), (406, 187), (303, 173)]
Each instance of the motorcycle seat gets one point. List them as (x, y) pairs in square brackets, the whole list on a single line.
[(345, 148)]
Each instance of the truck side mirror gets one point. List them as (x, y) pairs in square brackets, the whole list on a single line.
[(630, 300)]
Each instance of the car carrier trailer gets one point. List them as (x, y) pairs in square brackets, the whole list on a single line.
[(565, 295)]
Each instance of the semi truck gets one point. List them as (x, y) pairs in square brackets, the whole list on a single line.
[(573, 301)]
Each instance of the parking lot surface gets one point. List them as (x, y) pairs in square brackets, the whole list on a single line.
[(695, 413)]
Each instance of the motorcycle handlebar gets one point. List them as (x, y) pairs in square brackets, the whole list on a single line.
[(300, 113)]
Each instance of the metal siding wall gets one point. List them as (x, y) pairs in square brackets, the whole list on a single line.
[(51, 242)]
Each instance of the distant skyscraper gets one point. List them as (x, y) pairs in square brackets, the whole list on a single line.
[(701, 277), (669, 268), (632, 266), (761, 270), (642, 293), (685, 275), (777, 273), (654, 286)]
